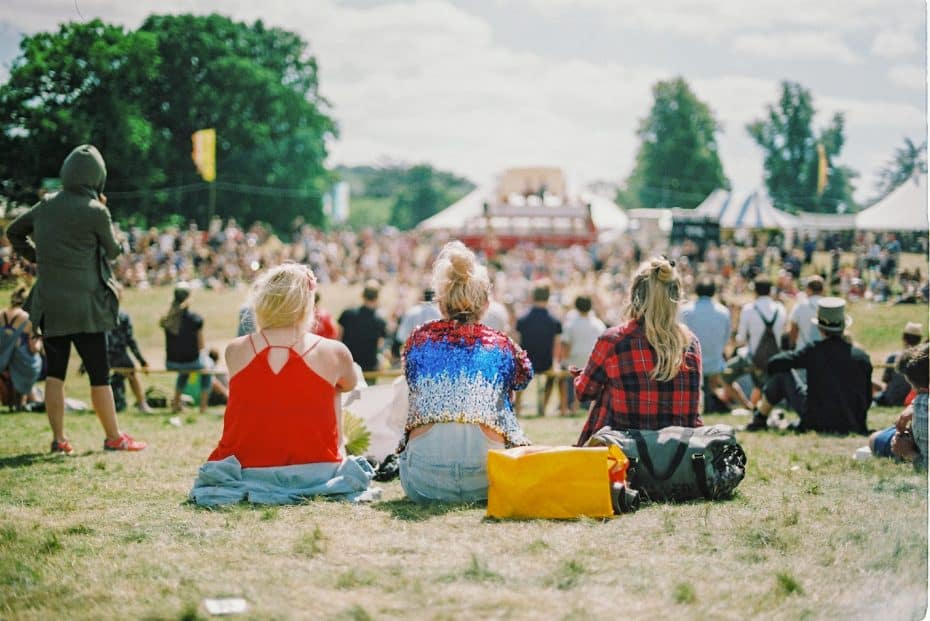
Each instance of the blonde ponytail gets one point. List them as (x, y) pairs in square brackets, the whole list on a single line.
[(654, 299)]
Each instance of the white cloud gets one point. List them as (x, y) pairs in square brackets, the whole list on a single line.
[(427, 81), (796, 46), (895, 43), (717, 18), (866, 114), (909, 76)]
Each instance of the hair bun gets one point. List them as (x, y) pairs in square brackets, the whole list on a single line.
[(664, 270), (461, 264)]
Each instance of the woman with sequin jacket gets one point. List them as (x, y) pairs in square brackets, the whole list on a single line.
[(461, 376)]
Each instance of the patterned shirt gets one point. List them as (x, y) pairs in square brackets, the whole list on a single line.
[(464, 373), (919, 428), (120, 341), (625, 396)]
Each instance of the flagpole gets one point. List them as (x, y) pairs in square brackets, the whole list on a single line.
[(212, 205)]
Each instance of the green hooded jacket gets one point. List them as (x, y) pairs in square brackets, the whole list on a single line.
[(70, 237)]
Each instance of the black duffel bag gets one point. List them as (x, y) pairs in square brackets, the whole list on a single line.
[(679, 463)]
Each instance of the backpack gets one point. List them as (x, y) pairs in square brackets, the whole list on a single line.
[(768, 344), (9, 339), (679, 463)]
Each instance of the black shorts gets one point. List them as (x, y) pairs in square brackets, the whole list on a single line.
[(91, 347)]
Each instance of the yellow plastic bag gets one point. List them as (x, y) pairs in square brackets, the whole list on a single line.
[(551, 482)]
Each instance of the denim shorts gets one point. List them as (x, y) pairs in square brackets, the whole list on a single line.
[(448, 463), (882, 445), (203, 361)]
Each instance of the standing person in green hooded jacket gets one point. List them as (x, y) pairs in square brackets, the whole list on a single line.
[(69, 236)]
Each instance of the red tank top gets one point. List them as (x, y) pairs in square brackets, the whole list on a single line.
[(279, 419)]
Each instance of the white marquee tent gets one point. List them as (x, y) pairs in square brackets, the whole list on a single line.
[(746, 211), (905, 209), (459, 212)]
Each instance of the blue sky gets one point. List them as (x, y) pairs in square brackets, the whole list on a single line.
[(475, 86)]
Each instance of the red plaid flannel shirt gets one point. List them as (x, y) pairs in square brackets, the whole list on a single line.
[(625, 397)]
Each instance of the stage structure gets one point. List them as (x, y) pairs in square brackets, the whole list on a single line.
[(527, 206)]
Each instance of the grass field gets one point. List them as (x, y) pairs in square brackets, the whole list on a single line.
[(811, 533)]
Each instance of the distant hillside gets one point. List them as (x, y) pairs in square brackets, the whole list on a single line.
[(398, 194)]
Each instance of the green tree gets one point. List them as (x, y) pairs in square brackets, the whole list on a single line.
[(791, 160), (908, 160), (677, 164), (418, 200), (258, 87), (84, 83), (140, 95)]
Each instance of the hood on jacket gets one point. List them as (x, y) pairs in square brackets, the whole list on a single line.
[(84, 171)]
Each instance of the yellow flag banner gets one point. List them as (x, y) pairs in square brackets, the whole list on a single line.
[(821, 169), (204, 153)]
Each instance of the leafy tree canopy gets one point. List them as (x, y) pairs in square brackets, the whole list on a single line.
[(677, 164), (791, 160), (140, 95)]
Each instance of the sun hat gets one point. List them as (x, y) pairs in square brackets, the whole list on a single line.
[(831, 315), (914, 329)]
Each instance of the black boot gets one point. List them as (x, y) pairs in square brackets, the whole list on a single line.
[(759, 422)]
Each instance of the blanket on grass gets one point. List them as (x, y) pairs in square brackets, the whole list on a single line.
[(227, 482)]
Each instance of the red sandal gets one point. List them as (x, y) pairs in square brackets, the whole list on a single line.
[(64, 447), (124, 443)]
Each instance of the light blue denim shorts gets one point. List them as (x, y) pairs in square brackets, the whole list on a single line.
[(448, 463)]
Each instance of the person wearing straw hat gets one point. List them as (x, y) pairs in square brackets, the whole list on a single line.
[(838, 391), (894, 388)]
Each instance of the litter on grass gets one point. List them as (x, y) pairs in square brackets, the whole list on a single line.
[(225, 605)]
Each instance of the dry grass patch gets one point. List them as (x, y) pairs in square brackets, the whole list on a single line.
[(811, 534)]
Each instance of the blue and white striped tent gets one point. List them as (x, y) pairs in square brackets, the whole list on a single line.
[(746, 211)]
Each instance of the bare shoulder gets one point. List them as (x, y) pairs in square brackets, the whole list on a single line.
[(334, 349), (238, 353)]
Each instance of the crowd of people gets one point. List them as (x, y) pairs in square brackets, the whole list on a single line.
[(636, 353)]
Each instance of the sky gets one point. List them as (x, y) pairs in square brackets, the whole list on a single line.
[(476, 86)]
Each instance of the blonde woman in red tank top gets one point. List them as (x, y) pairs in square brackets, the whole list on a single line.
[(285, 383)]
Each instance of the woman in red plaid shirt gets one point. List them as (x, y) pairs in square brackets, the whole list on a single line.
[(646, 372)]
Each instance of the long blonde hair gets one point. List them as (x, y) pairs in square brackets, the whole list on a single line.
[(284, 296), (654, 298), (461, 283)]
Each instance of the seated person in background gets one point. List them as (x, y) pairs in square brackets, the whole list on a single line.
[(646, 372), (284, 404), (837, 393), (907, 438), (219, 388), (896, 387), (184, 346), (22, 345), (120, 341), (461, 376)]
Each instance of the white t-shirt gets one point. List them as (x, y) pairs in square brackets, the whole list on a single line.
[(497, 318), (804, 310), (751, 327), (580, 335)]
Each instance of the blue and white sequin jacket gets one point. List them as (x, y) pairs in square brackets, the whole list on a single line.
[(465, 373)]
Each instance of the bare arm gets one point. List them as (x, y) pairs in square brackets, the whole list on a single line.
[(35, 343), (200, 340), (347, 376)]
